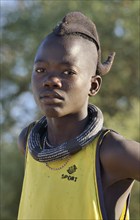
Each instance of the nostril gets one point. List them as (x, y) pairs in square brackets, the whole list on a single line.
[(55, 86), (52, 82)]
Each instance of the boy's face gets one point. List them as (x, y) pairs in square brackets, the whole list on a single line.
[(62, 75)]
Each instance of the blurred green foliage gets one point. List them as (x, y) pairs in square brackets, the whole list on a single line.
[(24, 24)]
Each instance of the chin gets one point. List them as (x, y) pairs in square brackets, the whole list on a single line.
[(52, 112)]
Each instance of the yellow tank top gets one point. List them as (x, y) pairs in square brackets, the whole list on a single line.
[(70, 190)]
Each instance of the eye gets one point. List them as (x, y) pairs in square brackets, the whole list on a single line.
[(69, 72), (40, 70)]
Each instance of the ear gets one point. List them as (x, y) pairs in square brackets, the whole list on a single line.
[(96, 82)]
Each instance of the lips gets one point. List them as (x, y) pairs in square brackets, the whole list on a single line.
[(51, 98)]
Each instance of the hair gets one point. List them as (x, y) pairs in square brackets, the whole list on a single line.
[(76, 23)]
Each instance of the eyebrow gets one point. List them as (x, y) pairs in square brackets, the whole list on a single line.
[(66, 63), (39, 61)]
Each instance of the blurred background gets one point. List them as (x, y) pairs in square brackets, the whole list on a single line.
[(24, 24)]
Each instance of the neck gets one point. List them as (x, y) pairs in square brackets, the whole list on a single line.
[(69, 129), (65, 128)]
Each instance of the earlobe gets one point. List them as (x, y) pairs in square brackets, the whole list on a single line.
[(96, 82)]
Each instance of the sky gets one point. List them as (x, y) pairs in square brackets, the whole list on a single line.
[(8, 4)]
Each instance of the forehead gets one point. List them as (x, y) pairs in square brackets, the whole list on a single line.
[(67, 49)]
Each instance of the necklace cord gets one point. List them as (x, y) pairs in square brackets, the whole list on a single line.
[(46, 153)]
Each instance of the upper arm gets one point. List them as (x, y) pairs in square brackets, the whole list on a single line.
[(23, 136), (22, 140), (120, 157)]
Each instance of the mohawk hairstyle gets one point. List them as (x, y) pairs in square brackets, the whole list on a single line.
[(76, 23)]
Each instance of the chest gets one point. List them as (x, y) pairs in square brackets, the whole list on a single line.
[(70, 183)]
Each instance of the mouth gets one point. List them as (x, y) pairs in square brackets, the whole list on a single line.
[(51, 98)]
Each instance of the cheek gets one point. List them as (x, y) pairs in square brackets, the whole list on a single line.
[(35, 83), (79, 89), (35, 87), (85, 84)]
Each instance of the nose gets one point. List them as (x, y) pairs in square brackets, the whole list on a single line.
[(52, 82)]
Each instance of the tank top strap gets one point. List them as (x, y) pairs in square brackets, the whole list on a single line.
[(103, 134), (125, 212)]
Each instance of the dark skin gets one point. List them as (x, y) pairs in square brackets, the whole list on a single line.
[(63, 78)]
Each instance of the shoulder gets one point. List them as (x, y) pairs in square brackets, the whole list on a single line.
[(120, 157), (22, 138)]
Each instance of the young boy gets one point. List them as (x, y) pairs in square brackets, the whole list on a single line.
[(75, 168)]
